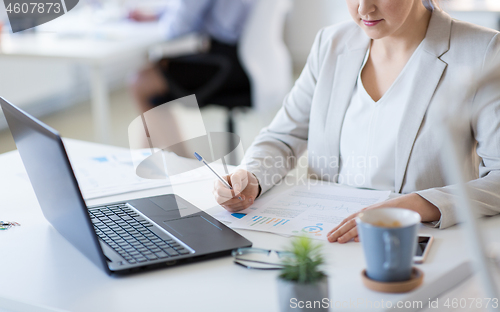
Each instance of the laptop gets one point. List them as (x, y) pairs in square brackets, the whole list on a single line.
[(120, 237)]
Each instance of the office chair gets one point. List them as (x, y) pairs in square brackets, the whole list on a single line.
[(264, 57)]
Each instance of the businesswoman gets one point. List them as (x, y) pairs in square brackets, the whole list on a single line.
[(368, 101)]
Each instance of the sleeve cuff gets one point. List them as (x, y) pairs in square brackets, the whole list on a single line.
[(444, 203)]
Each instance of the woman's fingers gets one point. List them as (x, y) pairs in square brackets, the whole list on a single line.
[(352, 233), (239, 205), (223, 194), (338, 226), (220, 195), (346, 227), (224, 201), (239, 180), (227, 199), (351, 217), (245, 190), (221, 189)]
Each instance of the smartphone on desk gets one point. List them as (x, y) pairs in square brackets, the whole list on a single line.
[(423, 246)]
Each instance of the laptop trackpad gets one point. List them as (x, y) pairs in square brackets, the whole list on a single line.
[(193, 226)]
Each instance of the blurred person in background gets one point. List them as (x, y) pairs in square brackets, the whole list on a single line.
[(222, 21)]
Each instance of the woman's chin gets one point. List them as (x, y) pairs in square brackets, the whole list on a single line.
[(374, 34)]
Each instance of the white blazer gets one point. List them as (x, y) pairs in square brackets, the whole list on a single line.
[(312, 114)]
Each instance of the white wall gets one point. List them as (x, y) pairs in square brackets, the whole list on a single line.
[(306, 19), (42, 87), (24, 80), (485, 19)]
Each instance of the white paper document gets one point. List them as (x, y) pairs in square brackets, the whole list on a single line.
[(114, 173), (110, 173), (103, 170), (111, 170), (304, 210)]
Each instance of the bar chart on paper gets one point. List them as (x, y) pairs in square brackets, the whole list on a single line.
[(261, 221)]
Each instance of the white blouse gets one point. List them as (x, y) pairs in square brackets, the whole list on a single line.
[(370, 130)]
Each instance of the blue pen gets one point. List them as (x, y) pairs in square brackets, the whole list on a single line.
[(200, 158)]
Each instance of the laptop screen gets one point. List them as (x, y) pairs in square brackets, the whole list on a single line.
[(56, 188)]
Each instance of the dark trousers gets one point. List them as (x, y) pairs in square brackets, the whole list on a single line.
[(211, 76)]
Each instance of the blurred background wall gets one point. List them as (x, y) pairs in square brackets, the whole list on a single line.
[(58, 84)]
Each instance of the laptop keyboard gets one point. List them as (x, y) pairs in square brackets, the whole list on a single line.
[(131, 236)]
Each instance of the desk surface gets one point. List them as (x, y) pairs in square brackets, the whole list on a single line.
[(45, 269), (108, 41)]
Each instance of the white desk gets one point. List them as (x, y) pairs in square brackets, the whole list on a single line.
[(40, 266), (112, 42)]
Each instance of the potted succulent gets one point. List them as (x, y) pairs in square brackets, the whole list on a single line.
[(302, 286)]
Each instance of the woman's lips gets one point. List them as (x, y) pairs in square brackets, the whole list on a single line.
[(372, 23)]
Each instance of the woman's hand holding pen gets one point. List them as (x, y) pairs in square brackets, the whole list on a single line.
[(245, 185)]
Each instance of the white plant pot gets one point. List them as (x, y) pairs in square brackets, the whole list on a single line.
[(295, 297)]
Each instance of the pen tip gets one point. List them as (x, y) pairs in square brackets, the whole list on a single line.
[(198, 156)]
